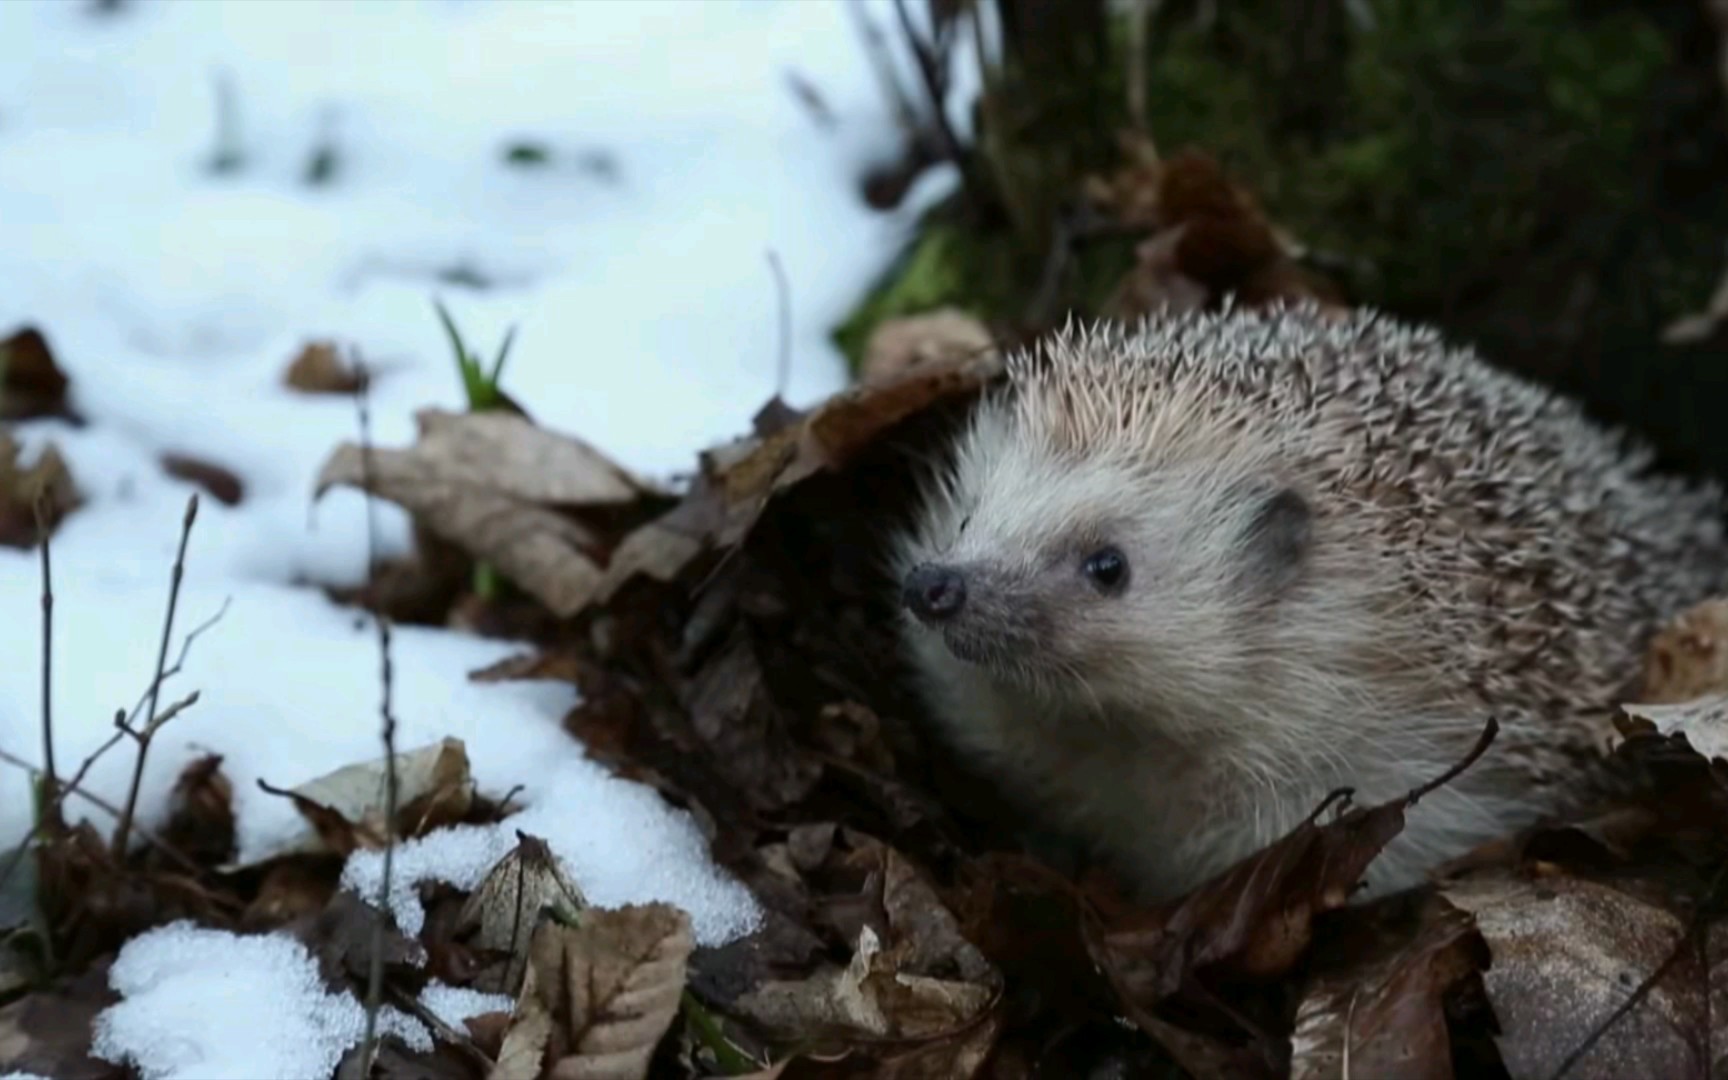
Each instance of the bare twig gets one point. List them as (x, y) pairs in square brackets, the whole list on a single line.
[(50, 775), (176, 667), (783, 299), (936, 89), (876, 49), (375, 965), (151, 722)]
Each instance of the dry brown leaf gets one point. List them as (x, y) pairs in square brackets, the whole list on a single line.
[(598, 997), (1252, 923), (505, 909), (48, 1033), (31, 382), (1381, 1012), (1688, 659), (222, 484), (1566, 954), (1703, 722), (898, 345), (47, 479), (345, 809), (496, 485), (321, 369), (870, 997), (201, 812)]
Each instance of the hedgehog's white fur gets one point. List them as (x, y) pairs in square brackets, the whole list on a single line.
[(1476, 548)]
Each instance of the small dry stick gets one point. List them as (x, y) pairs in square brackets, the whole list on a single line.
[(936, 90), (151, 720), (783, 300), (375, 966), (50, 775)]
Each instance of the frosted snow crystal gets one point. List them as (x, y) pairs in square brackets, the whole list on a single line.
[(612, 865), (203, 1003), (454, 1004)]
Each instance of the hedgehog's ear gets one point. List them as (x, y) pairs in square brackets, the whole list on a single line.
[(1277, 539)]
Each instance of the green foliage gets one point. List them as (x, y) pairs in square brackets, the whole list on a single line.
[(479, 382)]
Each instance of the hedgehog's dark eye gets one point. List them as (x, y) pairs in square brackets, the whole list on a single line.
[(1107, 569)]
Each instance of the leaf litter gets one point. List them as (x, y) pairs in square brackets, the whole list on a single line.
[(727, 640)]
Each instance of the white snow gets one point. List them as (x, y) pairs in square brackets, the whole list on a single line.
[(193, 1006), (175, 298), (455, 1004)]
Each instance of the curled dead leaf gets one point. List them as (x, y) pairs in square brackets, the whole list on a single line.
[(47, 482), (503, 912), (871, 997), (1688, 658), (498, 487), (1378, 1005), (1253, 922), (201, 812), (221, 484), (598, 997), (320, 368), (345, 809), (1703, 722), (898, 345), (32, 385)]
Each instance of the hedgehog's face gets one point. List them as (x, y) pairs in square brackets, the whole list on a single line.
[(1103, 581)]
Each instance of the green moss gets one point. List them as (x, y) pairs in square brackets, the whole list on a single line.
[(1540, 177)]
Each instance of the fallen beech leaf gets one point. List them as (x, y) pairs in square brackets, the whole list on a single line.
[(223, 486), (32, 385), (506, 908), (1688, 658), (1703, 722), (1566, 954), (1383, 1013), (495, 484), (321, 369), (599, 996), (944, 334), (345, 809), (47, 479)]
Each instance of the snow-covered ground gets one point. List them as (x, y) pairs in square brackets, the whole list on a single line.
[(175, 298)]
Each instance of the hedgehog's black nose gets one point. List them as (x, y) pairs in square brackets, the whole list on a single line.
[(933, 593)]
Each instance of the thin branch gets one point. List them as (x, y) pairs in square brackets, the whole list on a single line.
[(375, 966), (935, 88), (179, 662), (50, 775), (876, 49), (123, 830)]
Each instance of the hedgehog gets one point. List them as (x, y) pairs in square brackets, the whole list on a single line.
[(1173, 583)]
